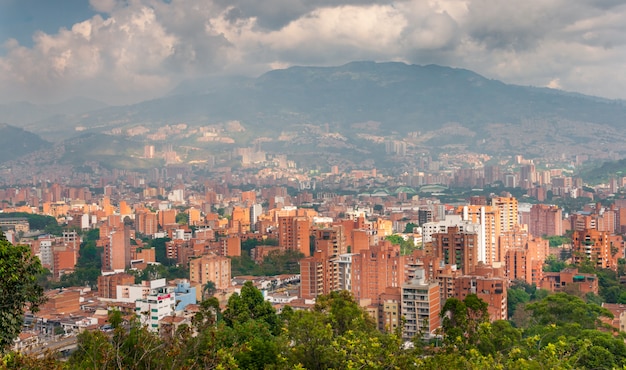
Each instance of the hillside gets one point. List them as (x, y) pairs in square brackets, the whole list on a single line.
[(439, 105), (15, 142)]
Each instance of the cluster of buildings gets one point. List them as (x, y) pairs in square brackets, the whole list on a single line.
[(478, 247)]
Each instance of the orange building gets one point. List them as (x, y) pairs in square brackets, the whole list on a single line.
[(64, 260), (210, 268), (194, 216), (545, 220), (372, 271), (125, 208), (145, 254), (490, 289), (515, 238), (360, 240), (319, 274), (602, 248), (329, 245), (61, 302), (507, 212), (524, 255), (116, 254), (114, 222), (456, 247), (248, 197), (232, 246), (107, 284), (294, 234), (167, 217), (241, 215), (383, 227), (569, 279), (349, 229), (146, 222), (106, 206)]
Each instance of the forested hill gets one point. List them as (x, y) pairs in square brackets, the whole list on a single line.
[(15, 142)]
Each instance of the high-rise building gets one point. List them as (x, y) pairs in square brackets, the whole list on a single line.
[(231, 246), (318, 275), (492, 290), (527, 176), (389, 310), (487, 217), (602, 248), (424, 216), (421, 306), (507, 212), (242, 216), (210, 268), (294, 234), (167, 217), (255, 211), (368, 273), (456, 247), (545, 220), (159, 303), (116, 254), (146, 222)]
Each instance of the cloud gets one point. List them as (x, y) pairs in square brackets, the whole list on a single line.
[(132, 50)]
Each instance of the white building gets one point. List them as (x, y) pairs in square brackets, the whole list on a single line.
[(159, 303), (255, 211), (345, 271), (135, 292), (420, 306), (45, 251)]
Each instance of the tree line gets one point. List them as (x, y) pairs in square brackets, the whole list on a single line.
[(562, 332)]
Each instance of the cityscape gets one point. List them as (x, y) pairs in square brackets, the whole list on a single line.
[(206, 192)]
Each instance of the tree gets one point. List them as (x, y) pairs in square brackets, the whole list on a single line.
[(515, 296), (250, 305), (553, 265), (344, 313), (208, 290), (461, 320), (19, 290), (409, 227), (560, 309), (182, 218)]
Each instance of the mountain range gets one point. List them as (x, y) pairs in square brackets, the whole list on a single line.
[(364, 103)]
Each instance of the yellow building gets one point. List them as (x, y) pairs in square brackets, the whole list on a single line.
[(194, 216), (210, 268), (508, 212), (384, 227)]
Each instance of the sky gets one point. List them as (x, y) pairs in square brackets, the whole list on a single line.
[(125, 51)]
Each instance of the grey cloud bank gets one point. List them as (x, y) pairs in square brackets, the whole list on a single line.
[(140, 49)]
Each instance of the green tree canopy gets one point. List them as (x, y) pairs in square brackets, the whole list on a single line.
[(19, 290)]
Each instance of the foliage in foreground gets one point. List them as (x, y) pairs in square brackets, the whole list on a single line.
[(18, 288), (561, 333)]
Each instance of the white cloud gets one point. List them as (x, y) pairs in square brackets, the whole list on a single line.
[(140, 49)]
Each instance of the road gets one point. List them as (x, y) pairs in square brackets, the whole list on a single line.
[(56, 346)]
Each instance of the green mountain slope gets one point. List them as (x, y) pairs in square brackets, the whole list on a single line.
[(15, 142)]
